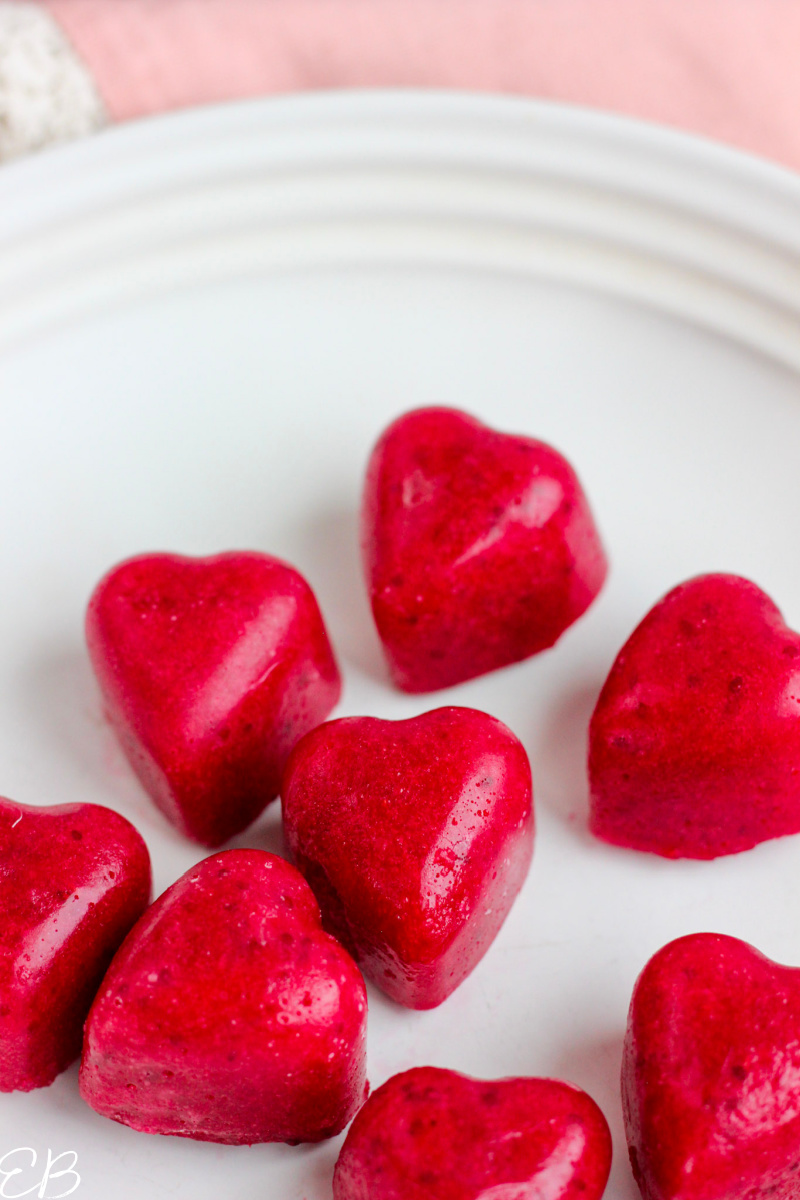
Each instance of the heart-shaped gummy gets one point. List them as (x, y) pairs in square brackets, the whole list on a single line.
[(430, 1134), (694, 746), (479, 547), (416, 837), (211, 670), (711, 1074), (228, 1015), (74, 878)]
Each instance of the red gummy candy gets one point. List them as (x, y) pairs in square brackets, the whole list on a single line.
[(211, 670), (711, 1074), (430, 1134), (228, 1015), (74, 878), (479, 548), (694, 746), (416, 836)]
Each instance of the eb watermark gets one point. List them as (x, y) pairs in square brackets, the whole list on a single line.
[(25, 1173)]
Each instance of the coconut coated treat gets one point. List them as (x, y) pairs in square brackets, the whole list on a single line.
[(211, 669), (229, 1015), (694, 746), (431, 1134), (416, 837), (479, 547), (711, 1074), (74, 878)]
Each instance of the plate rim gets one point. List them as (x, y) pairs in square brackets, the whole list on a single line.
[(553, 191)]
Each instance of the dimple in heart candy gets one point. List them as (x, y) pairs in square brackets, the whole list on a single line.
[(74, 878), (228, 1015), (711, 1074), (694, 745), (431, 1134), (416, 836), (479, 547), (211, 669)]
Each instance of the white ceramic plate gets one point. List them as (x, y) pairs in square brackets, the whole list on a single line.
[(205, 322)]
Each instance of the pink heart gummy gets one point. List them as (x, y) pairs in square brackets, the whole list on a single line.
[(479, 547), (430, 1134), (73, 880), (211, 670), (694, 746), (416, 837), (711, 1074), (228, 1015)]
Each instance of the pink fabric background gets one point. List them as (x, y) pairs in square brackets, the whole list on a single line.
[(729, 69)]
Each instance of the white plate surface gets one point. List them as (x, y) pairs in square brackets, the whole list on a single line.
[(206, 321)]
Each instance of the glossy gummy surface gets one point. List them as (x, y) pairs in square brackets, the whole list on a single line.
[(74, 878), (711, 1073), (431, 1134), (228, 1015), (694, 745), (416, 836), (211, 669), (479, 547)]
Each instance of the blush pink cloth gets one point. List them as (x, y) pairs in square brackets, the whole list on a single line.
[(724, 68)]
